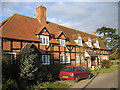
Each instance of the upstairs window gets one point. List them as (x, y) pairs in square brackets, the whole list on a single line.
[(80, 41), (89, 43), (62, 42), (45, 59), (44, 40), (97, 44)]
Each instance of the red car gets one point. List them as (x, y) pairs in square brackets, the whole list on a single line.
[(74, 73)]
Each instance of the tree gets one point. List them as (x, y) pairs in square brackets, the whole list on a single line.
[(29, 62), (109, 36)]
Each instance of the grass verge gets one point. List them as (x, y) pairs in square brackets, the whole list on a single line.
[(52, 85), (107, 70)]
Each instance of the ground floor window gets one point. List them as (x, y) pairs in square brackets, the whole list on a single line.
[(45, 59), (64, 58), (9, 57), (82, 59), (77, 59), (104, 58)]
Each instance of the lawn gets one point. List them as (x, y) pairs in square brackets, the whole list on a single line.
[(107, 70)]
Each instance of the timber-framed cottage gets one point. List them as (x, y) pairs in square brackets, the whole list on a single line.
[(60, 44)]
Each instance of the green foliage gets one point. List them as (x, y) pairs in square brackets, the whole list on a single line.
[(49, 73), (29, 60), (109, 36), (51, 85), (107, 70), (115, 53), (105, 64), (9, 84)]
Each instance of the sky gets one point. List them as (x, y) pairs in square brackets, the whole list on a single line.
[(83, 16)]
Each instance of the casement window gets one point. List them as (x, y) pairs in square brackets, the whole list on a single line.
[(9, 57), (64, 58), (62, 42), (45, 59), (44, 40), (67, 58), (82, 59), (97, 44), (104, 58), (80, 41), (77, 59), (89, 43)]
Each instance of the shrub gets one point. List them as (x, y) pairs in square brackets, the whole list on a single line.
[(8, 84), (105, 64), (49, 73), (29, 60)]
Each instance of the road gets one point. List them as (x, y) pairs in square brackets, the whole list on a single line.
[(105, 80)]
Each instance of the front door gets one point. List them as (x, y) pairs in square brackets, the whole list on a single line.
[(89, 62)]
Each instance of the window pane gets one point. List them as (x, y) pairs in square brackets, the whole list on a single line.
[(68, 69), (77, 59), (46, 59)]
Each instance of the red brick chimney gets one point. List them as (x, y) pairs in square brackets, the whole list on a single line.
[(41, 14)]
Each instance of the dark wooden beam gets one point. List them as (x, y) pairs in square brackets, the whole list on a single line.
[(11, 45), (65, 53), (21, 45), (59, 52), (75, 56), (2, 44)]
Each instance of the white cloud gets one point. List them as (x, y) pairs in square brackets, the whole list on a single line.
[(84, 16)]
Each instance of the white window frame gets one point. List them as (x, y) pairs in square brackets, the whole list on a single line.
[(104, 58), (11, 53), (89, 42), (62, 42), (44, 40), (65, 58), (82, 59), (80, 41), (77, 59), (97, 44), (62, 60), (46, 59)]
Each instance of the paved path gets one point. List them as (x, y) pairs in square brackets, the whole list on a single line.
[(106, 80)]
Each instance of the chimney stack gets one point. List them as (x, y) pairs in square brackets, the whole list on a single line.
[(94, 33), (41, 14)]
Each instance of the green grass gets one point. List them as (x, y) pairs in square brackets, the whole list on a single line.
[(52, 85), (107, 70)]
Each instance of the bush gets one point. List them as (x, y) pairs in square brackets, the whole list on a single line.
[(49, 73), (105, 64), (29, 62), (8, 84)]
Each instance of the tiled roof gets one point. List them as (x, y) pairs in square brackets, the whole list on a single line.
[(91, 53), (25, 28)]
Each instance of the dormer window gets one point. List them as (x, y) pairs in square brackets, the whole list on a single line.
[(44, 40), (97, 44), (89, 43), (79, 41), (62, 42)]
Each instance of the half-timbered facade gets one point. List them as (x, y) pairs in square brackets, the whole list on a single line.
[(60, 44)]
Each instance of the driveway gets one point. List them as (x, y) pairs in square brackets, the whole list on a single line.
[(105, 80)]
